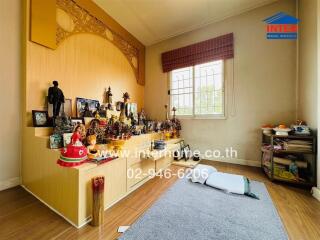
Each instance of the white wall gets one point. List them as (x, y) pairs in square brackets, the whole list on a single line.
[(10, 93), (265, 83), (307, 86), (309, 73)]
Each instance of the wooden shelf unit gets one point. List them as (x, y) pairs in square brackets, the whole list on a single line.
[(309, 156), (68, 192)]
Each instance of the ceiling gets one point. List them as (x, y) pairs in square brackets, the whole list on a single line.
[(152, 21)]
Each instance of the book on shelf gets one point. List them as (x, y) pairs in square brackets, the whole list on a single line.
[(298, 145)]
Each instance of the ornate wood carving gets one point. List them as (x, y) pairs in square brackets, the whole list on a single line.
[(84, 22)]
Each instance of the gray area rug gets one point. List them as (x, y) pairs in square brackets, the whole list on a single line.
[(190, 211)]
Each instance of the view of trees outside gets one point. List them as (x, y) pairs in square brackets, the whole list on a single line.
[(207, 92)]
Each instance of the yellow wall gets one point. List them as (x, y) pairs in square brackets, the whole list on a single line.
[(264, 76), (307, 88), (10, 93), (85, 65)]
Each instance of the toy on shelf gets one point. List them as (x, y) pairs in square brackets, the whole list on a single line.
[(123, 114), (63, 124), (176, 125), (282, 130), (166, 126), (97, 130), (267, 128), (116, 133), (109, 99), (75, 153), (290, 158), (300, 128), (91, 148)]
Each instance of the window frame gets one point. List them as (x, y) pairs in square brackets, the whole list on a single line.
[(201, 116)]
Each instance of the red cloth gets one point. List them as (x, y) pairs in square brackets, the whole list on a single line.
[(218, 48)]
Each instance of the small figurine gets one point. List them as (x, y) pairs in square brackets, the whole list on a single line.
[(63, 125), (167, 115), (75, 153), (86, 111), (157, 126), (142, 118), (150, 126), (176, 125), (112, 119), (56, 98), (133, 120), (100, 111), (174, 112), (109, 99), (76, 137), (126, 97), (82, 130), (293, 168), (96, 113), (124, 106), (92, 150), (95, 129)]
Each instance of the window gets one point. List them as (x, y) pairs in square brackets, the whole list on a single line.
[(198, 91)]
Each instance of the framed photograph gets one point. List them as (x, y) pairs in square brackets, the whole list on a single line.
[(67, 138), (80, 104), (56, 141), (66, 108), (75, 121), (40, 118)]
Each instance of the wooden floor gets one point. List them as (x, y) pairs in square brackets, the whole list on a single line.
[(24, 217)]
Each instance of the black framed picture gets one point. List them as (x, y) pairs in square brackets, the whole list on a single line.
[(81, 103), (40, 118)]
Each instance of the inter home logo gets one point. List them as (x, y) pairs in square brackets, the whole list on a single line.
[(282, 26)]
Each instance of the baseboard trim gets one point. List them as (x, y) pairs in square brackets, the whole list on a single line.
[(244, 162), (88, 219), (9, 183), (316, 193)]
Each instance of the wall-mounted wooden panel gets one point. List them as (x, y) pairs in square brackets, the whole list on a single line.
[(43, 23), (99, 13), (53, 21)]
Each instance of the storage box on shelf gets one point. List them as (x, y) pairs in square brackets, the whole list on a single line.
[(278, 152)]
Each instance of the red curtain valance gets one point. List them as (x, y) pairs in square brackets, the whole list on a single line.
[(206, 51)]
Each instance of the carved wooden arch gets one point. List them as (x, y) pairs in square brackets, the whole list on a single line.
[(55, 20), (83, 22)]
